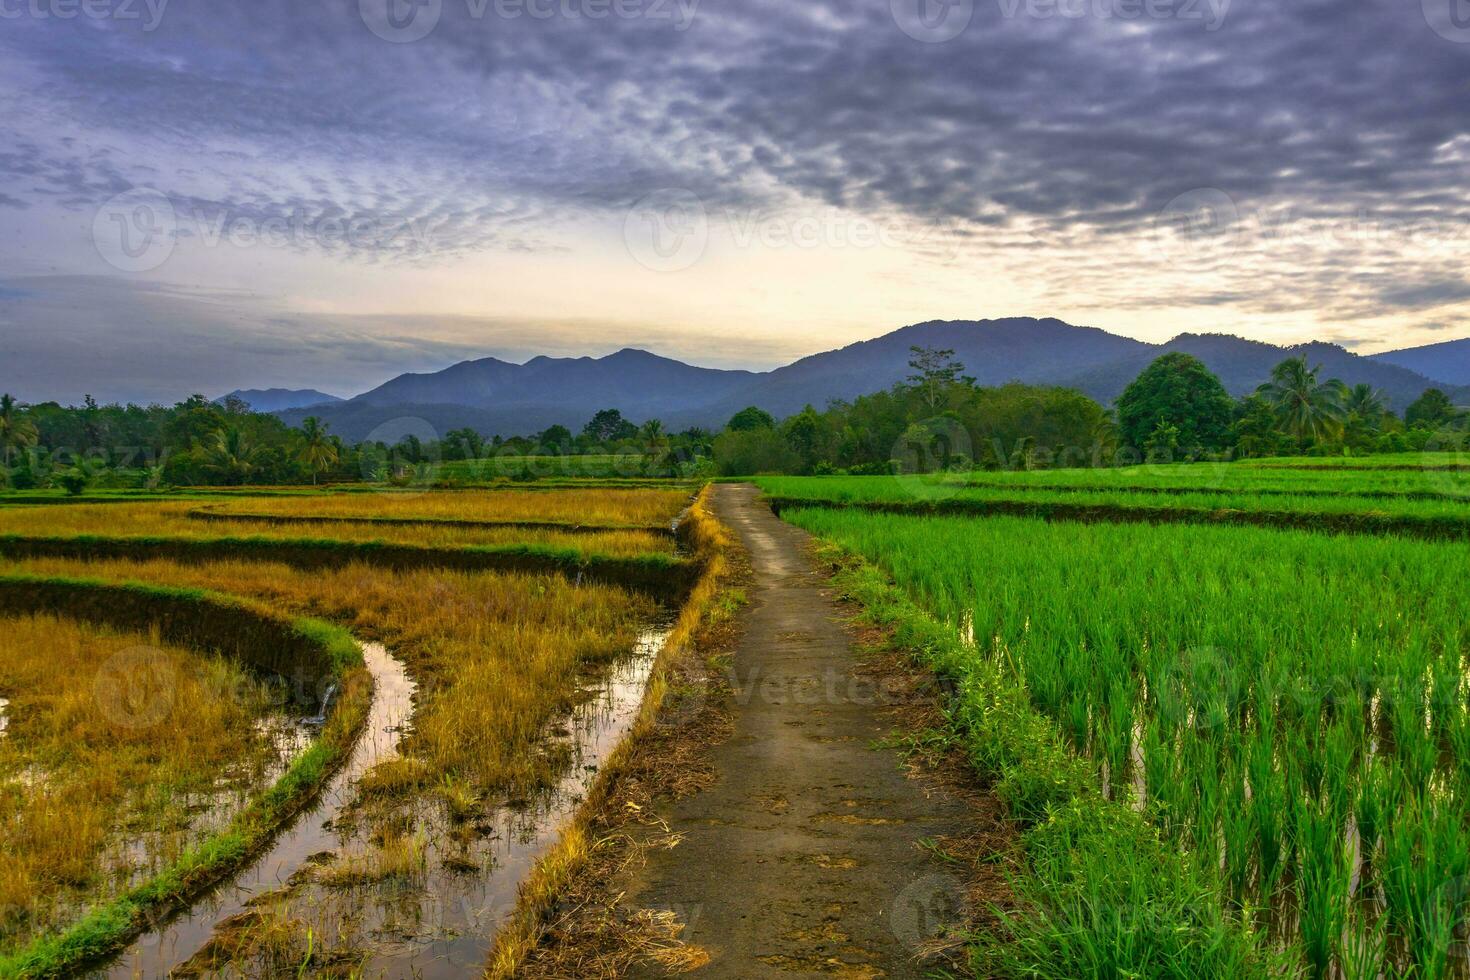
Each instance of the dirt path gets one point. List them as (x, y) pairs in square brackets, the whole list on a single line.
[(804, 857)]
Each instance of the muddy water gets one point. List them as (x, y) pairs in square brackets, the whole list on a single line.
[(154, 953), (441, 923)]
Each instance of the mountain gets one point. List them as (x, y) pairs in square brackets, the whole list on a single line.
[(1242, 365), (280, 399), (495, 396), (993, 351), (1447, 363)]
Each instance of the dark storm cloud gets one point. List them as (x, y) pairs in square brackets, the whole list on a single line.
[(1072, 117)]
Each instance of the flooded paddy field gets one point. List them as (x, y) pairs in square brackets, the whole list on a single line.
[(495, 698)]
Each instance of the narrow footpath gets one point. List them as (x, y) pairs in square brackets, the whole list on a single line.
[(805, 856)]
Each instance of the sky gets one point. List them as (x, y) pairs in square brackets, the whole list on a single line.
[(199, 196)]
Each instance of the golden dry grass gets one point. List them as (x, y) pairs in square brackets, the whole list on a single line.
[(640, 508), (170, 519), (495, 656), (109, 735)]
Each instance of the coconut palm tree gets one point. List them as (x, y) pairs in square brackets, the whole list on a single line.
[(16, 431), (1306, 408), (229, 453), (1366, 402), (318, 450)]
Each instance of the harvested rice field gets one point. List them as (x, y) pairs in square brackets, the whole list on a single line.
[(370, 807)]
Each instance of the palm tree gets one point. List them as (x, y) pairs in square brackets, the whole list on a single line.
[(318, 450), (1366, 402), (653, 435), (1306, 408), (16, 431), (229, 453)]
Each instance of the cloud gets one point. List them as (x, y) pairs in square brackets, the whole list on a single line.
[(1047, 139), (125, 340)]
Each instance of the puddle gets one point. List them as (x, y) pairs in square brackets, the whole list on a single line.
[(154, 953), (441, 920)]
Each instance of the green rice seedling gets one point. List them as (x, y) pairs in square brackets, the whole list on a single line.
[(1322, 886), (1426, 857), (1283, 681), (1364, 954)]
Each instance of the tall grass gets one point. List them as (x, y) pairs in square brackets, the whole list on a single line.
[(172, 519), (1292, 693), (113, 736)]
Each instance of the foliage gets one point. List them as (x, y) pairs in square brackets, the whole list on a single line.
[(1176, 391), (749, 419), (1308, 409)]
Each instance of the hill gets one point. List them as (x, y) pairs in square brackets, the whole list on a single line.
[(498, 397), (280, 399), (1447, 363)]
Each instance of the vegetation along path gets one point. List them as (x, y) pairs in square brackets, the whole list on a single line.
[(805, 856)]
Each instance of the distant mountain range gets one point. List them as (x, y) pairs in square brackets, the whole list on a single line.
[(1448, 363), (495, 396), (280, 399)]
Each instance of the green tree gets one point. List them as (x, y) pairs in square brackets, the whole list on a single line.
[(935, 371), (655, 440), (229, 454), (1255, 430), (749, 419), (1306, 408), (609, 425), (752, 452), (1176, 390), (808, 434), (557, 438), (17, 433), (318, 450), (1430, 410), (1366, 402)]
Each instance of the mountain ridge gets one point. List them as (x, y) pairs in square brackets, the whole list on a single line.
[(495, 396)]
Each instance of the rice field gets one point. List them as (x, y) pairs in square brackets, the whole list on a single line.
[(118, 752), (1304, 500), (496, 663), (1287, 710)]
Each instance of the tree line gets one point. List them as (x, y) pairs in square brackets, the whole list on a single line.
[(936, 418)]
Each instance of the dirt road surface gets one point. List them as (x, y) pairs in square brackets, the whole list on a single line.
[(804, 858)]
